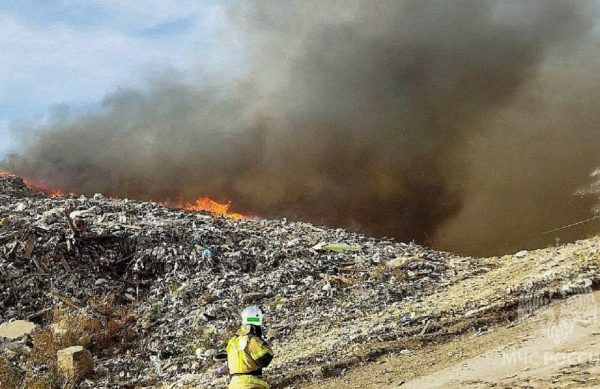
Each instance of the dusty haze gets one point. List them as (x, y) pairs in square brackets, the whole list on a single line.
[(466, 125)]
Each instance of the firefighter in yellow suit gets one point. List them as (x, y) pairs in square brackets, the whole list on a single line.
[(248, 353)]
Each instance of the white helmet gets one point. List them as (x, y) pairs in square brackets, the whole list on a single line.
[(252, 315)]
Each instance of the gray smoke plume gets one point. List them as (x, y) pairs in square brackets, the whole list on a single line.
[(463, 124)]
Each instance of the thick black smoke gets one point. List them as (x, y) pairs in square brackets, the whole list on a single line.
[(463, 124)]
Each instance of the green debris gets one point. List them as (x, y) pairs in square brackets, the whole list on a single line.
[(337, 247)]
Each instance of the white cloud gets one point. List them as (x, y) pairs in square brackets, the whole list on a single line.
[(60, 63), (48, 63), (145, 14)]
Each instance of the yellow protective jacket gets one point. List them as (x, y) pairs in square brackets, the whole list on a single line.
[(247, 355)]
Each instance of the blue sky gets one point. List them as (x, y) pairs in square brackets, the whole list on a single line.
[(73, 52)]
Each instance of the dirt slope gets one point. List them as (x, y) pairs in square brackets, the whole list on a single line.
[(557, 346)]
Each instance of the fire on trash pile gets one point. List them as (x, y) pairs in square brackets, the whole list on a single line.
[(183, 273), (154, 292)]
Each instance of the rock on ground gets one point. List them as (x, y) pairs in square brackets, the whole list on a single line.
[(75, 363)]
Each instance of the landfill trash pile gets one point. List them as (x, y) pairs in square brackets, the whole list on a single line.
[(331, 298)]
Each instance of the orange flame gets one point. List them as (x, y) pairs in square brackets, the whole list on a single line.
[(205, 203), (37, 185), (202, 203), (40, 186)]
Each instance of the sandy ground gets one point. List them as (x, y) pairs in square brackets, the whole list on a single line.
[(557, 347)]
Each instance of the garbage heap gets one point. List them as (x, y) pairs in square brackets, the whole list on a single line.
[(184, 277)]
